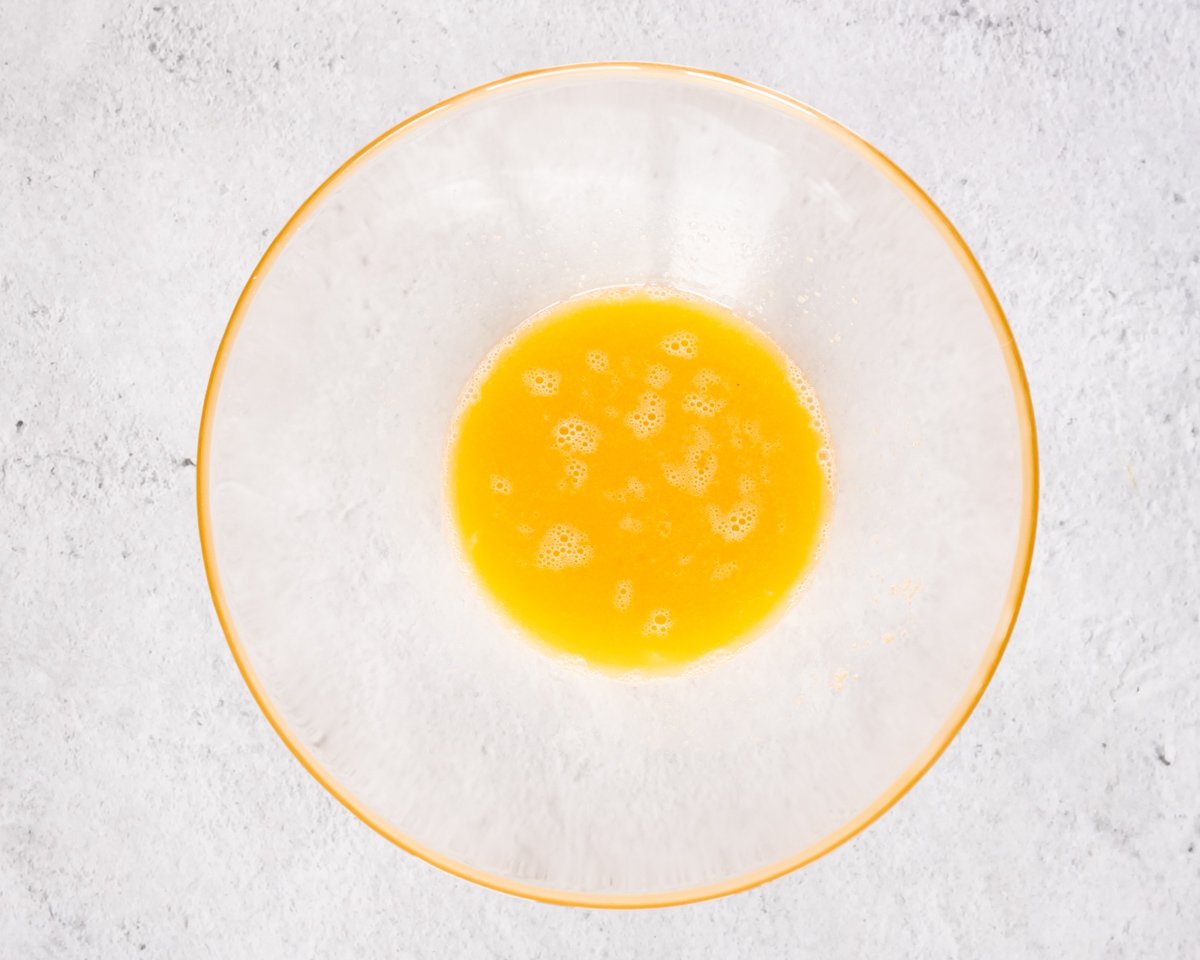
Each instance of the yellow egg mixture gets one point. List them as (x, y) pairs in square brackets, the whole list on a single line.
[(639, 478)]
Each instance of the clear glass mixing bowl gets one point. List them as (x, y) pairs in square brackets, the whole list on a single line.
[(336, 576)]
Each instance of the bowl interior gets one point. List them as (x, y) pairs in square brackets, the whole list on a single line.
[(337, 577)]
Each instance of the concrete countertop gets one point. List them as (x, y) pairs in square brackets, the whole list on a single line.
[(149, 151)]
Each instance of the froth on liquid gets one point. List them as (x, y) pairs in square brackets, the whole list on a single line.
[(639, 478)]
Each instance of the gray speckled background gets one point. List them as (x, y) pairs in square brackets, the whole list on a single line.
[(147, 154)]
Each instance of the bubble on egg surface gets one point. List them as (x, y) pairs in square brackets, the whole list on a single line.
[(577, 472), (734, 524), (501, 485), (657, 376), (658, 624), (702, 405), (563, 547), (808, 399), (695, 474), (575, 435), (474, 388), (828, 471), (649, 417), (623, 594), (597, 360), (540, 382), (683, 344), (723, 571)]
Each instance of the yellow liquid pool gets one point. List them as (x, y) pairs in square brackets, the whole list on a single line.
[(639, 478)]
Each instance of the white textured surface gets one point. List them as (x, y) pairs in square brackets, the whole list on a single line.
[(147, 154)]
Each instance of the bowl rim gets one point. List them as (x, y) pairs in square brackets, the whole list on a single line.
[(1017, 582)]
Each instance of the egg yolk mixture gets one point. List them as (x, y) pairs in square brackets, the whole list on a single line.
[(639, 478)]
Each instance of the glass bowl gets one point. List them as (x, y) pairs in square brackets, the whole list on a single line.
[(335, 572)]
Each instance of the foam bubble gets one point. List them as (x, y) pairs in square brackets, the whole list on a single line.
[(808, 398), (746, 485), (683, 344), (723, 571), (577, 471), (562, 547), (474, 388), (633, 488), (541, 383), (699, 465), (658, 624), (623, 594), (630, 524), (649, 417), (575, 435), (706, 378), (735, 523), (702, 405), (597, 360), (657, 376), (825, 462), (501, 485)]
